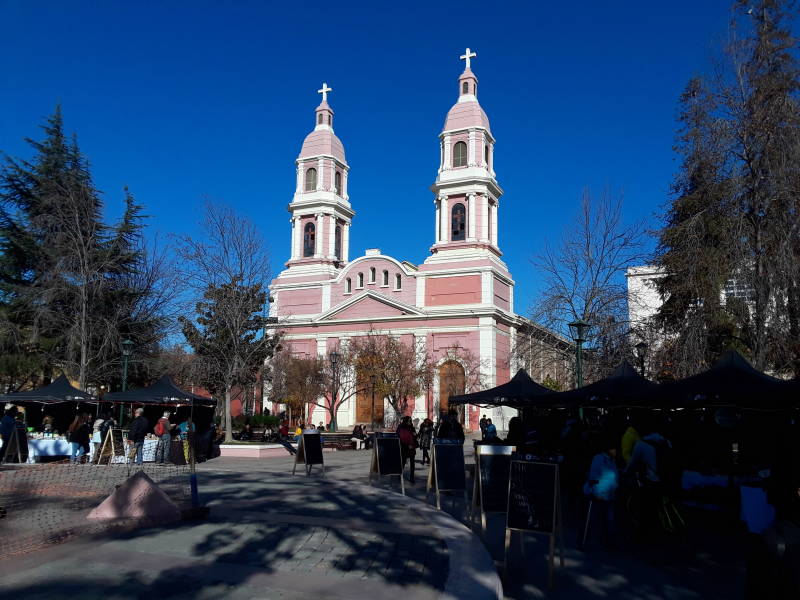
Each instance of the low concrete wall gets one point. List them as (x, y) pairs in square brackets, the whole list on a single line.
[(253, 450)]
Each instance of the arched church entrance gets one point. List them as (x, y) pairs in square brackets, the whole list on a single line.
[(452, 381), (369, 402)]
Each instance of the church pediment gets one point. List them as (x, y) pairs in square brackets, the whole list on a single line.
[(368, 305)]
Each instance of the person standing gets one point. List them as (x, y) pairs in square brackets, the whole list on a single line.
[(79, 437), (450, 428), (482, 424), (408, 444), (425, 438), (136, 434), (490, 435), (186, 432), (601, 487), (162, 430)]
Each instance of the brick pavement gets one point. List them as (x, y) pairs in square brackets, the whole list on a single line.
[(272, 535)]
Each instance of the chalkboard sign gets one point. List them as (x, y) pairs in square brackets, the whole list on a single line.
[(16, 448), (312, 444), (117, 445), (112, 446), (309, 452), (532, 497), (448, 463), (388, 456), (493, 465)]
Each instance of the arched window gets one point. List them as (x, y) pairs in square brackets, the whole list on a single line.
[(372, 274), (348, 286), (319, 118), (486, 155), (460, 154), (465, 88), (360, 280), (386, 278), (398, 282), (458, 223), (311, 179), (309, 239), (337, 182), (329, 119), (337, 242)]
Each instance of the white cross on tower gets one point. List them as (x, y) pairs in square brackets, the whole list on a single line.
[(324, 91), (467, 55)]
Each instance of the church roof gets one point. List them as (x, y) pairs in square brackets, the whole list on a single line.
[(466, 114), (322, 141)]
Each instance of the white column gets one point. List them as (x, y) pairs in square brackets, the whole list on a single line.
[(485, 218), (345, 242), (441, 155), (494, 225), (444, 212), (320, 173), (420, 301), (318, 237), (299, 246), (344, 184), (293, 252), (471, 217), (332, 237), (436, 233), (491, 158), (471, 150), (299, 178), (446, 152)]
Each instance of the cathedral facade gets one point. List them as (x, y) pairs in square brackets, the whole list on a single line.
[(461, 296)]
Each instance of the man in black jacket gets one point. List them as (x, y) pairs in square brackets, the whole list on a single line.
[(136, 434)]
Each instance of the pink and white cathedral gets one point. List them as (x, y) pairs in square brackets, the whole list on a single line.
[(461, 295)]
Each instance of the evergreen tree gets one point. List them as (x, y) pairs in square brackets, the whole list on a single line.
[(229, 338)]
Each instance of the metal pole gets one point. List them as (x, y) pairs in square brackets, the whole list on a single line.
[(372, 413), (579, 372), (124, 383)]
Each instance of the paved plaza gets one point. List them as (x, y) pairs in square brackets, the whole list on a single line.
[(272, 535)]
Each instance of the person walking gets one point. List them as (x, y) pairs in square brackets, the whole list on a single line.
[(162, 430), (137, 431), (408, 444), (425, 438), (79, 437)]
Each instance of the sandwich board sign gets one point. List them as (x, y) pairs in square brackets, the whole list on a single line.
[(490, 484), (309, 453), (113, 446), (387, 459), (447, 472), (534, 505)]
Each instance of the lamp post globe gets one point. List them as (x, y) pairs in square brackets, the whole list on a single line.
[(578, 329)]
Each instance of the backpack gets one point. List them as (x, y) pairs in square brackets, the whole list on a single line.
[(159, 428)]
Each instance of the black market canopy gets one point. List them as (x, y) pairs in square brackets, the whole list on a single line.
[(731, 381), (163, 392), (57, 392), (624, 387), (520, 391)]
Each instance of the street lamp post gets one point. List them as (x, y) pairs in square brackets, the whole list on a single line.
[(372, 379), (334, 358), (127, 349), (578, 330), (641, 352)]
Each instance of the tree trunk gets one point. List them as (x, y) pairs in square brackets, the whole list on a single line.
[(228, 423)]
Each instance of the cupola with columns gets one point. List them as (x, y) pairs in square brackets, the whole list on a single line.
[(466, 191), (320, 209)]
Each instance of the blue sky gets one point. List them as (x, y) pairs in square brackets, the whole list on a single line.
[(187, 99)]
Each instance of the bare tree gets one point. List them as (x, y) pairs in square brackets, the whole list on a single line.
[(584, 277), (402, 370), (228, 268)]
